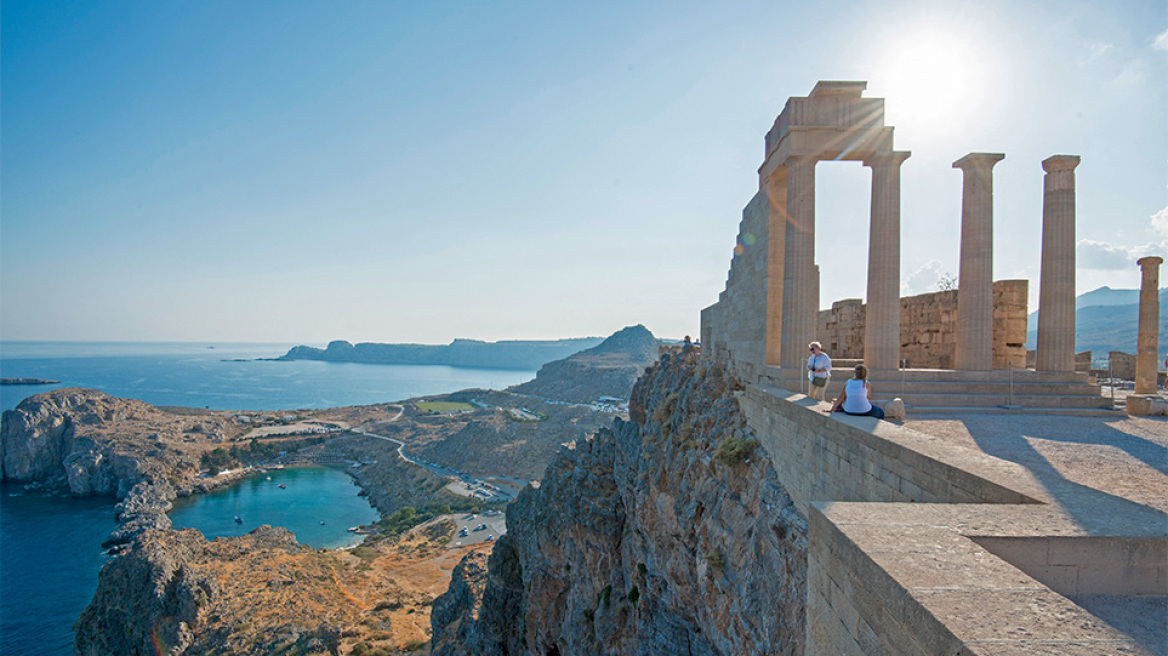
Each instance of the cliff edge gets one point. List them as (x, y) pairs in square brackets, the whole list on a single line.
[(659, 536)]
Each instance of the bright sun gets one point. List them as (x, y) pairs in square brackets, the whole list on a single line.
[(932, 81)]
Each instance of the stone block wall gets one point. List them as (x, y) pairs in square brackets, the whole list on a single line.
[(822, 457), (734, 329), (1123, 365), (928, 329)]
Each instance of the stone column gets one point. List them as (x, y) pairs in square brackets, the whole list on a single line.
[(975, 285), (882, 317), (1056, 291), (800, 298), (776, 190), (1148, 343)]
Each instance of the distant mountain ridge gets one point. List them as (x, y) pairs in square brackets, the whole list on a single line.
[(608, 369), (514, 354), (1106, 320)]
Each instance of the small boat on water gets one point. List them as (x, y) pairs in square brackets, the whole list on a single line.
[(282, 486), (267, 478), (322, 522), (238, 519)]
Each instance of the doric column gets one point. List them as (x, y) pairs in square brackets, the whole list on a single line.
[(1148, 342), (776, 189), (882, 317), (800, 286), (975, 285), (1056, 291)]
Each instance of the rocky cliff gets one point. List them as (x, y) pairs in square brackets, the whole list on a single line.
[(95, 443), (661, 536), (174, 592), (608, 369)]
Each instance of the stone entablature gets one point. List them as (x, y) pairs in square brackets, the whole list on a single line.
[(928, 328)]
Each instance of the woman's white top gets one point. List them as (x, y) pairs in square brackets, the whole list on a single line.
[(820, 361), (856, 401)]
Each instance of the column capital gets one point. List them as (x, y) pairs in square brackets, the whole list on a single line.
[(892, 157), (979, 160), (1150, 261), (1060, 163)]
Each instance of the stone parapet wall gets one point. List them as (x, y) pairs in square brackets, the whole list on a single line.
[(839, 458), (928, 328)]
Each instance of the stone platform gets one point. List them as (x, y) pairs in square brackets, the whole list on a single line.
[(925, 390), (975, 534)]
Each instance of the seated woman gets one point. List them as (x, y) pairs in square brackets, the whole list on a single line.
[(856, 397)]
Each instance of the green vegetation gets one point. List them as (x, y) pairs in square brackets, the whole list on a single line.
[(437, 407), (605, 596), (734, 450), (219, 458), (404, 519), (664, 412), (715, 559), (634, 595)]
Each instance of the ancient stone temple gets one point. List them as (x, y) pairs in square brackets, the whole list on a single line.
[(770, 308)]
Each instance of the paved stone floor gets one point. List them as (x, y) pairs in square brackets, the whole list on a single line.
[(1086, 464)]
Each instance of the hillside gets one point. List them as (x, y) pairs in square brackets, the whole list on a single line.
[(608, 369), (514, 354), (660, 536), (1107, 320)]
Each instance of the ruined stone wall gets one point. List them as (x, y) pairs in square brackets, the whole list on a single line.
[(734, 328), (1123, 365), (928, 329)]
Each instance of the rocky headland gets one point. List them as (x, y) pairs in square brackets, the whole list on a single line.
[(607, 369), (514, 354), (662, 535), (94, 443)]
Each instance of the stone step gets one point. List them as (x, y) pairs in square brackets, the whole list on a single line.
[(946, 375), (992, 400), (909, 387), (921, 411)]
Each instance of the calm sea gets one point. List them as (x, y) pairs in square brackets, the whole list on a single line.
[(50, 546)]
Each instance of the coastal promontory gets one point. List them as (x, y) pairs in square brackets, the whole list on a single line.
[(511, 354)]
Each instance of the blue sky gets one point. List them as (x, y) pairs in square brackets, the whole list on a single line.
[(396, 172)]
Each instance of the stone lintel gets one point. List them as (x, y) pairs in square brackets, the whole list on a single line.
[(838, 88), (979, 160), (851, 144), (1060, 163)]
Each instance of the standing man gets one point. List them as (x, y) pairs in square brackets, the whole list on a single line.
[(818, 370)]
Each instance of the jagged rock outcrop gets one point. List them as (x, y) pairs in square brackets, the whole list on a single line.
[(661, 536), (255, 594), (95, 443), (608, 369)]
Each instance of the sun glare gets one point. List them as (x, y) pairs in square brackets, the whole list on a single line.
[(932, 81)]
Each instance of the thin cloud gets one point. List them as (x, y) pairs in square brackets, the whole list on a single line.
[(924, 279), (1161, 41), (1102, 256), (1160, 221)]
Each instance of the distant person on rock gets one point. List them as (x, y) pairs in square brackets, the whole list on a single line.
[(818, 370), (856, 397)]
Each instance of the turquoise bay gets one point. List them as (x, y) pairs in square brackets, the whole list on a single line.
[(317, 503)]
